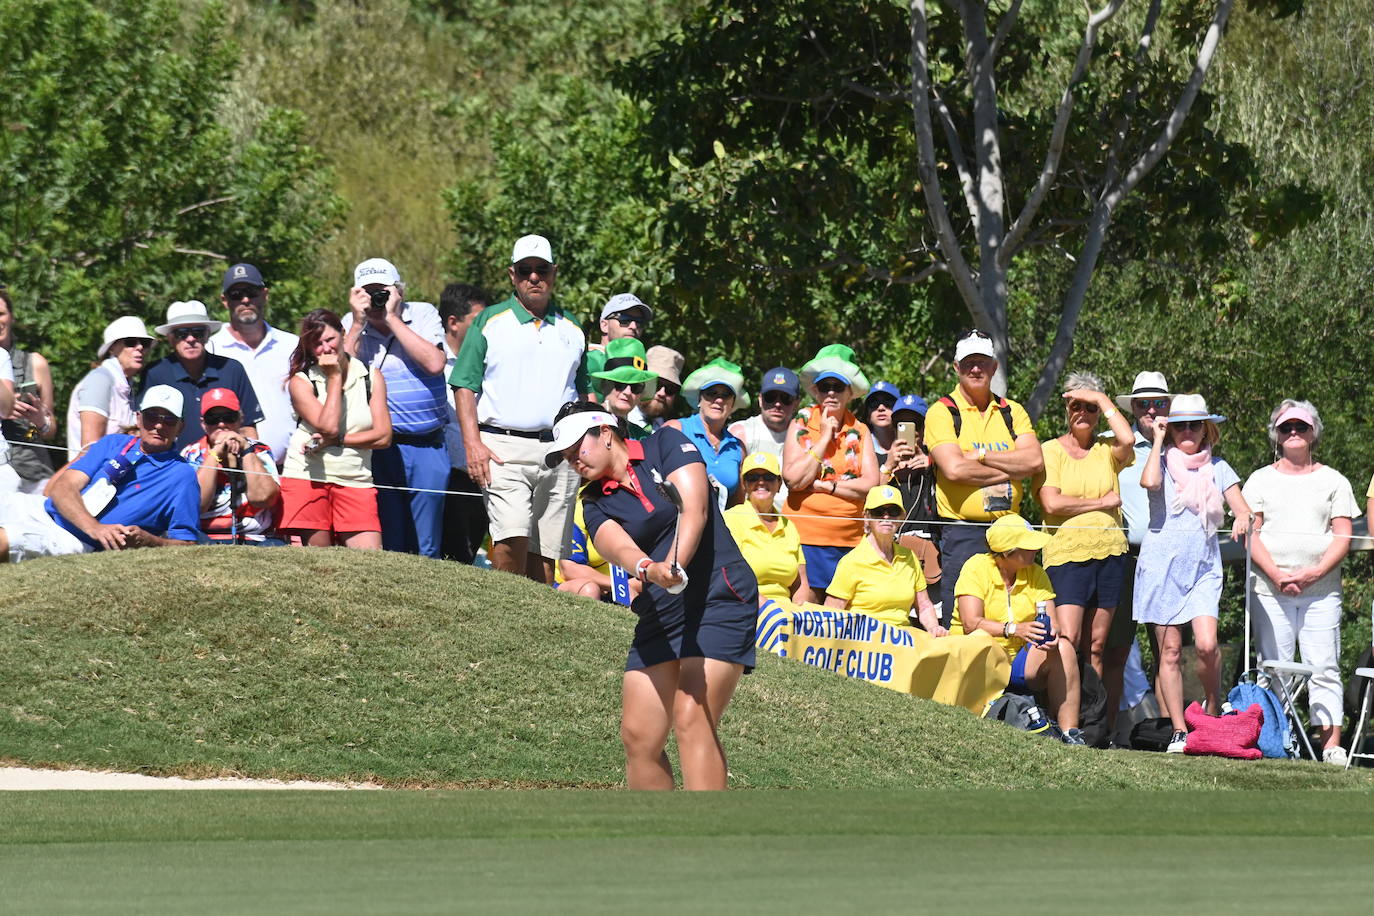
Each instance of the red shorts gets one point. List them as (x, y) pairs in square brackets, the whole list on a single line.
[(308, 505)]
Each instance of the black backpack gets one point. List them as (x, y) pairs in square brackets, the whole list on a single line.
[(955, 414), (1152, 734), (1092, 707)]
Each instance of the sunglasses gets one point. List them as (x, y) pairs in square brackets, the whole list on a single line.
[(886, 512), (198, 331), (218, 417), (751, 480), (669, 388), (135, 341), (242, 292), (524, 269), (630, 317), (153, 418), (717, 393), (777, 398), (1294, 426), (882, 400), (831, 386), (1188, 424), (1147, 403), (635, 387), (1083, 406)]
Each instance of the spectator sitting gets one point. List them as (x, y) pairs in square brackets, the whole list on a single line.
[(326, 489), (264, 351), (32, 416), (121, 493), (623, 317), (878, 577), (714, 391), (102, 402), (239, 484), (193, 370), (666, 365), (624, 380), (998, 593), (769, 541), (828, 464), (877, 416), (908, 469)]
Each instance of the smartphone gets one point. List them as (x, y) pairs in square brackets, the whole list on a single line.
[(906, 431)]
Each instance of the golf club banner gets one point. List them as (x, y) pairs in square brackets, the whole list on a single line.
[(966, 671)]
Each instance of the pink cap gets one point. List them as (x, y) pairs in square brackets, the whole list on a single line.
[(1294, 413)]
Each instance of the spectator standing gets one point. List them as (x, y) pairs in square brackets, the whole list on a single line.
[(264, 352), (1303, 513), (877, 416), (624, 380), (622, 316), (666, 365), (983, 447), (239, 483), (715, 390), (192, 370), (520, 362), (1081, 496), (327, 492), (32, 416), (1178, 578), (828, 464), (103, 402), (405, 342), (123, 492), (465, 516), (766, 431), (908, 468)]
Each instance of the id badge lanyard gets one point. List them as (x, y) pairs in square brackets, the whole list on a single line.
[(102, 491)]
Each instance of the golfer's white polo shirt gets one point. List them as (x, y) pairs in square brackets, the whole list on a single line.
[(522, 368), (267, 368)]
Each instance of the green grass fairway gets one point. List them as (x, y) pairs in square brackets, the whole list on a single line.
[(756, 852)]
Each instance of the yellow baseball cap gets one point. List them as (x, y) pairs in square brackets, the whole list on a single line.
[(884, 496), (761, 461), (1012, 532)]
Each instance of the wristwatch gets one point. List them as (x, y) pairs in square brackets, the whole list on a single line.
[(1009, 629)]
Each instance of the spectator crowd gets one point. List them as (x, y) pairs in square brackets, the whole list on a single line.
[(395, 424)]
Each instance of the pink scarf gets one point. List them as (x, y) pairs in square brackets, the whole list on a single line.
[(1195, 486)]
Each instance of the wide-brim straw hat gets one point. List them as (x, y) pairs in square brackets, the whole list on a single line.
[(719, 371), (188, 314), (835, 361)]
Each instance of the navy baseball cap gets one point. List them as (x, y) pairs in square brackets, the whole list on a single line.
[(911, 402), (883, 388), (241, 273), (781, 379)]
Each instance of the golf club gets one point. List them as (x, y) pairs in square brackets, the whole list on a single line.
[(670, 493)]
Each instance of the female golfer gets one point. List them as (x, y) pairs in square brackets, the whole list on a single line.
[(692, 643)]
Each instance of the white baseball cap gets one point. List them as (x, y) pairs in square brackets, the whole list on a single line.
[(532, 246), (623, 302), (570, 430), (974, 344), (119, 329), (376, 270), (164, 396), (187, 314)]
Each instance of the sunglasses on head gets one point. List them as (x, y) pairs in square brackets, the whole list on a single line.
[(754, 478), (1294, 426), (1147, 403), (773, 398), (630, 317), (525, 268), (831, 386), (221, 415), (1083, 406), (886, 512), (1188, 424), (198, 331)]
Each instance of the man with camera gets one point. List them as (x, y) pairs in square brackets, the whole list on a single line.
[(404, 341), (121, 492)]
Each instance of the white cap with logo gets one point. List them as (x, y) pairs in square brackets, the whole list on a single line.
[(376, 270), (165, 397), (532, 246)]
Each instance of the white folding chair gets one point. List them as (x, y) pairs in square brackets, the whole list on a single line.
[(1290, 679), (1368, 675)]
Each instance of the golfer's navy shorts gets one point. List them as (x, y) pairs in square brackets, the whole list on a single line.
[(1088, 583), (711, 619)]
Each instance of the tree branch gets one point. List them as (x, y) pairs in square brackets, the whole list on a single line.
[(956, 155), (1049, 171), (1004, 27)]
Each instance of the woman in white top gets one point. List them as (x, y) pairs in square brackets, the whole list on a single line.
[(102, 402), (1303, 519), (326, 488)]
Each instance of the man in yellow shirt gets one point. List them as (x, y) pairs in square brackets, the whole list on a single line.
[(983, 448)]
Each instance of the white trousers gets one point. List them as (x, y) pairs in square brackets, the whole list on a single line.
[(1314, 625)]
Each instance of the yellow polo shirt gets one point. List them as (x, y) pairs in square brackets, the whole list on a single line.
[(774, 556), (870, 586), (981, 578), (1090, 535), (985, 429)]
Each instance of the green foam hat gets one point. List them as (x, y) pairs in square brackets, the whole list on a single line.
[(719, 371), (626, 363), (835, 361)]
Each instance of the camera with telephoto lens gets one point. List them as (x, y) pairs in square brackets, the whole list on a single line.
[(380, 297)]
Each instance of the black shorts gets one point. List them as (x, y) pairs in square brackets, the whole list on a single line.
[(717, 621), (1088, 583)]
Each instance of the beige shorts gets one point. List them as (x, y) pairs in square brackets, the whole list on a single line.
[(528, 500)]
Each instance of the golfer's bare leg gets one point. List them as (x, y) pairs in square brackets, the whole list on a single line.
[(705, 687), (646, 710), (509, 555)]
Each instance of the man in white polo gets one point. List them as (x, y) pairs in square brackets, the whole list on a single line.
[(521, 360)]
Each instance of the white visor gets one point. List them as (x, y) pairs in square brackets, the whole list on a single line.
[(570, 430)]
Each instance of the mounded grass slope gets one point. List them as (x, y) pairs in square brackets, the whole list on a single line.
[(336, 664)]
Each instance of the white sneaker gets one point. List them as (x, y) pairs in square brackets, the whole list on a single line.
[(1177, 743), (1335, 756)]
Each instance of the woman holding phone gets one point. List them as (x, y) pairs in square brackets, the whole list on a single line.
[(32, 418), (699, 603)]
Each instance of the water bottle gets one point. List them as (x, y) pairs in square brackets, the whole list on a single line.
[(1042, 617)]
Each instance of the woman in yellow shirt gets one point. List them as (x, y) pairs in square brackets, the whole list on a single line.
[(878, 577), (1080, 493), (997, 593), (769, 541)]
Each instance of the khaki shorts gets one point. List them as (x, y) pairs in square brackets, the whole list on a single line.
[(528, 500)]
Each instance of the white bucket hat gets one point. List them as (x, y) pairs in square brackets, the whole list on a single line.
[(123, 327), (188, 314)]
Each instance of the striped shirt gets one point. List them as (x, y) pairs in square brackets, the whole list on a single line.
[(415, 398)]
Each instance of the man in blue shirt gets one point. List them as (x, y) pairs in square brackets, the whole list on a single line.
[(193, 370), (405, 342), (121, 493)]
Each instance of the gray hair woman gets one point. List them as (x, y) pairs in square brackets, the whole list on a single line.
[(1303, 519)]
